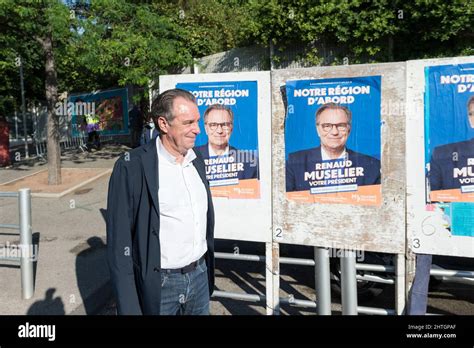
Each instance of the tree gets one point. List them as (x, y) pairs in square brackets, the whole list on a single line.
[(137, 41), (41, 26), (11, 53), (81, 45), (209, 26)]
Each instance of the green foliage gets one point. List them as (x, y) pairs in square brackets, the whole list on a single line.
[(135, 42), (130, 42), (207, 26), (365, 30), (23, 24), (436, 28), (102, 44)]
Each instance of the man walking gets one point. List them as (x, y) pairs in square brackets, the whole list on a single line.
[(160, 218)]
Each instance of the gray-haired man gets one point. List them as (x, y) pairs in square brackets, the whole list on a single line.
[(160, 218)]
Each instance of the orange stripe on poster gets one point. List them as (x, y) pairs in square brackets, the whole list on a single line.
[(246, 189), (365, 195), (453, 195)]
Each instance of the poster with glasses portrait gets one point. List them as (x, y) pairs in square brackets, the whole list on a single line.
[(236, 144), (449, 147), (440, 156), (228, 140), (332, 141), (449, 120)]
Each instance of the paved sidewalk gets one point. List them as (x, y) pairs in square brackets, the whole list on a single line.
[(72, 274), (70, 232)]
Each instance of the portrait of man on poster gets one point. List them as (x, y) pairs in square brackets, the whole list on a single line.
[(333, 126)]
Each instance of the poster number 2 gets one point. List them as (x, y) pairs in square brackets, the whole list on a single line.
[(278, 233)]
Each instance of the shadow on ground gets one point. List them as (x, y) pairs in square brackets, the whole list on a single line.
[(91, 270), (108, 152), (50, 305)]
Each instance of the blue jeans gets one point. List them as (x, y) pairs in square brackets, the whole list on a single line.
[(185, 294), (418, 299)]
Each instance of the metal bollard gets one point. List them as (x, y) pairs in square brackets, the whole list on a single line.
[(323, 281), (26, 247), (349, 283)]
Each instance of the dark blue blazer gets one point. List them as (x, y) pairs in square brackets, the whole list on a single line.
[(443, 161), (249, 172), (133, 230), (304, 161)]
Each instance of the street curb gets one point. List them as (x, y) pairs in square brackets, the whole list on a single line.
[(26, 176), (63, 193)]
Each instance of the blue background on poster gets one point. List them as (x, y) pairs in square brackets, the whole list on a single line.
[(446, 119), (97, 97), (300, 127), (245, 133)]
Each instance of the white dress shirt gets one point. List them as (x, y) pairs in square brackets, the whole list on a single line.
[(183, 209), (325, 156), (212, 153)]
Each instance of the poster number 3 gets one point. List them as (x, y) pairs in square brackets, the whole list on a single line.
[(416, 243)]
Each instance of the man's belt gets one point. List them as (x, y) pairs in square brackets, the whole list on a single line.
[(186, 269)]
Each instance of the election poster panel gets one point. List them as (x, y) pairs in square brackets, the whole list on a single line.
[(110, 107), (332, 141), (449, 146), (228, 140)]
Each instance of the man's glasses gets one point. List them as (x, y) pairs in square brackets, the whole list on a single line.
[(224, 125), (327, 127)]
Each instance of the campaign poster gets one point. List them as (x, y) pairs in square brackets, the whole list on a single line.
[(449, 145), (228, 140), (111, 108), (332, 141)]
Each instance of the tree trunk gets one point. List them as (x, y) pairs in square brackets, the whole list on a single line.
[(51, 86)]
